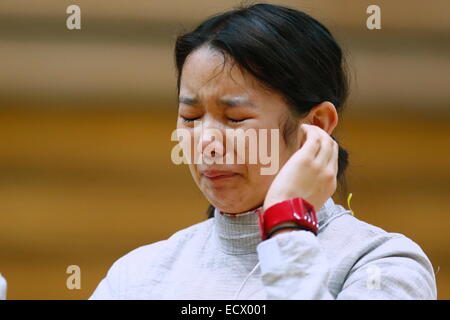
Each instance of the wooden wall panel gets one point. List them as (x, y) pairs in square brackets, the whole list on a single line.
[(86, 187)]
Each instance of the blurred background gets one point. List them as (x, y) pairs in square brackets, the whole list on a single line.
[(86, 117)]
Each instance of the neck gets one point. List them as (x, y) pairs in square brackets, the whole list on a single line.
[(239, 233)]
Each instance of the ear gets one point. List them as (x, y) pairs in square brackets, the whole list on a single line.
[(323, 115)]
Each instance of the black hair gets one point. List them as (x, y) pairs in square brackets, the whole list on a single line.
[(286, 50)]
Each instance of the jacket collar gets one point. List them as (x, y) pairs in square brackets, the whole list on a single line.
[(239, 233)]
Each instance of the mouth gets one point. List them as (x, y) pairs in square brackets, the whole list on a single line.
[(218, 175)]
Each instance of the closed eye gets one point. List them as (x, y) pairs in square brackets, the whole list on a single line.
[(189, 119), (237, 121), (193, 119)]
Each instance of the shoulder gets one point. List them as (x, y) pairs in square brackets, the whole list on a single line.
[(135, 268), (358, 249), (347, 231), (177, 240)]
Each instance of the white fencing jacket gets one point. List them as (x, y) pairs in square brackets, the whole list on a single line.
[(224, 258)]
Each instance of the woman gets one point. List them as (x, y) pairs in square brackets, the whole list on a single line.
[(269, 67)]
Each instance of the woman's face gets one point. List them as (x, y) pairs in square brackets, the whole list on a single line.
[(222, 97)]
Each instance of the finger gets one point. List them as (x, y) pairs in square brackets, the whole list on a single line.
[(326, 147), (323, 136), (333, 161), (311, 146), (325, 152), (309, 130)]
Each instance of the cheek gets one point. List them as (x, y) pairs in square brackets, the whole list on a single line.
[(284, 154), (288, 148), (255, 179), (257, 184), (186, 142)]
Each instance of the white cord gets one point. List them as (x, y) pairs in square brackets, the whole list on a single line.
[(245, 280)]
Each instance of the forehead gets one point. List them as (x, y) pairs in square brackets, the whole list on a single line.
[(206, 71)]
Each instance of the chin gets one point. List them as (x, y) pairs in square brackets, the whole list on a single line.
[(232, 206), (227, 204)]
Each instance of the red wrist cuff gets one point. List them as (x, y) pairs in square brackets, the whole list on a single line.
[(295, 210)]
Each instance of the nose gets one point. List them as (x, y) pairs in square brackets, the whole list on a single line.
[(212, 139)]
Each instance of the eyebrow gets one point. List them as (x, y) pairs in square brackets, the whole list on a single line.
[(187, 100), (234, 101), (226, 101)]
